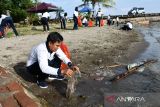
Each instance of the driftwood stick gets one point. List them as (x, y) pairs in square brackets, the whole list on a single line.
[(112, 66), (132, 70)]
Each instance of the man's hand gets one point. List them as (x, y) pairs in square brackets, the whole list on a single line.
[(75, 68), (69, 72)]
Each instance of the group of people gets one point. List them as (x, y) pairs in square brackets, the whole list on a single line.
[(6, 22), (45, 59), (83, 20), (112, 21), (63, 19), (98, 19)]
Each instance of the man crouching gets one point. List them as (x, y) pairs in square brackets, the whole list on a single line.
[(45, 60)]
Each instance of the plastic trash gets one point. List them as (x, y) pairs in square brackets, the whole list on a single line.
[(141, 69), (130, 66)]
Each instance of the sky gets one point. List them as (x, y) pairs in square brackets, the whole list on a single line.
[(121, 7)]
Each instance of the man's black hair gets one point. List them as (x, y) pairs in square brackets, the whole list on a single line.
[(54, 37), (65, 14), (76, 8)]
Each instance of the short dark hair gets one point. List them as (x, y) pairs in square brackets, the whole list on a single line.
[(65, 14), (76, 8), (54, 37)]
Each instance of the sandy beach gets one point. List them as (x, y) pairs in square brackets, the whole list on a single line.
[(89, 46)]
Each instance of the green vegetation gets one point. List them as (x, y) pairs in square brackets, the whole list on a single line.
[(17, 8), (105, 3), (25, 30)]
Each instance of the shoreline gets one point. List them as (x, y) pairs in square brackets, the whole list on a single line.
[(135, 49)]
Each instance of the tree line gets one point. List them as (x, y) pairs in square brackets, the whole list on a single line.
[(105, 3), (17, 8)]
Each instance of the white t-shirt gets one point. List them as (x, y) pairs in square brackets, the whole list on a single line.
[(84, 20), (130, 25), (41, 55), (46, 15), (99, 13), (117, 19), (76, 13), (108, 17), (2, 17)]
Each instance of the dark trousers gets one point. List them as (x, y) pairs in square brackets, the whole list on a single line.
[(8, 21), (1, 32), (45, 24), (85, 24), (35, 70), (98, 21), (63, 23), (109, 22), (75, 19), (117, 23)]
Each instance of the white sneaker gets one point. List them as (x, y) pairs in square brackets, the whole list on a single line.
[(55, 77)]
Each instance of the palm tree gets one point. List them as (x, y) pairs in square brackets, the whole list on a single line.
[(108, 3), (105, 3)]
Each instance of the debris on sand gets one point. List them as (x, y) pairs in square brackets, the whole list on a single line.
[(71, 85), (132, 68)]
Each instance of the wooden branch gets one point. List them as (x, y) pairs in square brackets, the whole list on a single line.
[(132, 70)]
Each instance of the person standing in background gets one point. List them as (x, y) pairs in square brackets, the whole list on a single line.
[(117, 20), (109, 20), (44, 21), (63, 20), (75, 19), (99, 16)]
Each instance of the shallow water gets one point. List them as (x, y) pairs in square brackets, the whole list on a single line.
[(152, 36)]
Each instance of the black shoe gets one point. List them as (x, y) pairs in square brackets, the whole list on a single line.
[(42, 84), (56, 77)]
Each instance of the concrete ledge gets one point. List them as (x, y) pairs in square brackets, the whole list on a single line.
[(13, 94)]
